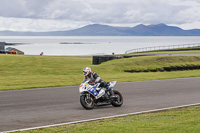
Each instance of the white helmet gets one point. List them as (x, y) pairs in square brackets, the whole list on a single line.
[(87, 71)]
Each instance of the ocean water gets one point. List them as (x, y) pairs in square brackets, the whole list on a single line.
[(90, 45)]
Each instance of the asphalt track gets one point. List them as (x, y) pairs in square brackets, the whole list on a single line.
[(46, 106)]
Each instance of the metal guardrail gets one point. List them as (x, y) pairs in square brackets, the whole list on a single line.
[(162, 48)]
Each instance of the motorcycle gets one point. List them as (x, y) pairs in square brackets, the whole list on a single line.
[(93, 95)]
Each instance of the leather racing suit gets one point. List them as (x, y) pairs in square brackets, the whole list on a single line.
[(94, 78)]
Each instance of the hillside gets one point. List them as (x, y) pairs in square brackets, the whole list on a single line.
[(105, 30)]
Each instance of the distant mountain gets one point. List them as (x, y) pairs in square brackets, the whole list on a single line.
[(158, 30), (105, 30)]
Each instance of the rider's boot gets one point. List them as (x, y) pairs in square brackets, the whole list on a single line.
[(112, 94)]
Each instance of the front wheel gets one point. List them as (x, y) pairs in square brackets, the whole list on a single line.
[(119, 100), (87, 102)]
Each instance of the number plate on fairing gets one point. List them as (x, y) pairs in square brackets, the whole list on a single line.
[(93, 90)]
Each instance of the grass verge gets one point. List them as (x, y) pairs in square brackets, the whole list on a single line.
[(23, 72), (184, 120)]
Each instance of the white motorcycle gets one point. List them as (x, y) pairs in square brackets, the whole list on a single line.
[(93, 95)]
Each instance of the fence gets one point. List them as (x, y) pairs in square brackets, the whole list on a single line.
[(162, 48)]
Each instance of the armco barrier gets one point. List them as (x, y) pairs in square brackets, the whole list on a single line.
[(102, 58), (98, 59)]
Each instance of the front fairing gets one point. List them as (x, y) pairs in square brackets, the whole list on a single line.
[(86, 87), (82, 88)]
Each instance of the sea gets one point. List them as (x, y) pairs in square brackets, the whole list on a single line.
[(91, 45)]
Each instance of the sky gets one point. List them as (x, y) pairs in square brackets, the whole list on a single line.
[(61, 15)]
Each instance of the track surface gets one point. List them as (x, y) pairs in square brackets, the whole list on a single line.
[(38, 107)]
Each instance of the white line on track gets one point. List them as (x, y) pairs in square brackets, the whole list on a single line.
[(74, 122)]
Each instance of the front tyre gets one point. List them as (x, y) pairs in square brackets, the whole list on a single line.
[(87, 102), (119, 100)]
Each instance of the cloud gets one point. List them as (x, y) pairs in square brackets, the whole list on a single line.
[(27, 24), (12, 8), (113, 12)]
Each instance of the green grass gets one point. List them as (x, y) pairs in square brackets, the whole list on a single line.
[(19, 72), (185, 120), (23, 72), (153, 62)]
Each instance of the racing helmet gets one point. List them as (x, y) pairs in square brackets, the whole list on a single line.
[(87, 71)]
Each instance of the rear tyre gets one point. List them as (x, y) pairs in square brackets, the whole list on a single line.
[(119, 101), (87, 102)]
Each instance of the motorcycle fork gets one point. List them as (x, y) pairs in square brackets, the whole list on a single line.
[(90, 97)]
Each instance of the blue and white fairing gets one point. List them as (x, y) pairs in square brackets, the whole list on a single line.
[(86, 87), (92, 89)]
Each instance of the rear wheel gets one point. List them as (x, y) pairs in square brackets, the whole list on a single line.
[(119, 100), (87, 102)]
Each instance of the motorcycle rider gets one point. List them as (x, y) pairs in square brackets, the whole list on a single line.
[(94, 78)]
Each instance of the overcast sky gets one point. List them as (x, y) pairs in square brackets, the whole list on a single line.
[(52, 15)]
